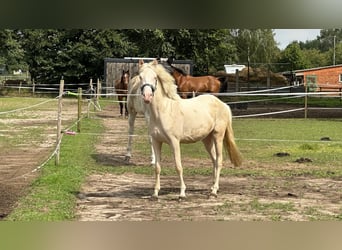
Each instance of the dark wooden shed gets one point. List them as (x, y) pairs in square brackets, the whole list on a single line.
[(113, 68)]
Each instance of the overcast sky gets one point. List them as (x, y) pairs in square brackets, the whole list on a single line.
[(285, 36)]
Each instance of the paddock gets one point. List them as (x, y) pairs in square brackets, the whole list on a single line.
[(246, 194), (265, 188)]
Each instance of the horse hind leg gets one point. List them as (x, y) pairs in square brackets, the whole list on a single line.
[(218, 167), (214, 148)]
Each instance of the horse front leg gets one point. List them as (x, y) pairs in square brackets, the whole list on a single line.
[(175, 145), (153, 158), (131, 121), (121, 108), (153, 155), (126, 109), (157, 169)]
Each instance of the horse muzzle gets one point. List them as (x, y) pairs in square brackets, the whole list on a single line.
[(147, 97), (147, 91)]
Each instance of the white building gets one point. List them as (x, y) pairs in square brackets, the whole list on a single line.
[(231, 68)]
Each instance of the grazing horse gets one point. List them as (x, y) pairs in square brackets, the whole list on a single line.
[(136, 106), (198, 84), (174, 120), (121, 91)]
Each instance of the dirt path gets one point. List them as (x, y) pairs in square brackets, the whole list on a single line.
[(29, 139), (109, 197)]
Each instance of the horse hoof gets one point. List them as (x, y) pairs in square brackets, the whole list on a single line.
[(154, 198), (127, 158), (181, 198), (212, 195)]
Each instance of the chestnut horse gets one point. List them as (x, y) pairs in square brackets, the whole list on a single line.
[(187, 84), (121, 91), (174, 120)]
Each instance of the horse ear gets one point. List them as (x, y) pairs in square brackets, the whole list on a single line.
[(155, 62), (141, 62)]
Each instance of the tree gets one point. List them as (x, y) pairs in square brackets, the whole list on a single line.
[(75, 54), (327, 37), (208, 48), (294, 56), (11, 52), (256, 46), (338, 55), (41, 48), (211, 49), (82, 52), (314, 58)]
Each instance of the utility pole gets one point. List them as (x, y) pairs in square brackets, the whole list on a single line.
[(248, 63), (334, 57)]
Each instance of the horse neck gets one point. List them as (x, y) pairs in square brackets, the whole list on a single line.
[(160, 106), (122, 84), (178, 77)]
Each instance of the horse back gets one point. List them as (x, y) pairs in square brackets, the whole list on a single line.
[(200, 84)]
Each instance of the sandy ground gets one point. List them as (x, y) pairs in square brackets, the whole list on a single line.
[(18, 163), (109, 197)]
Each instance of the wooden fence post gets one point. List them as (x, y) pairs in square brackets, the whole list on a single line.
[(59, 121), (98, 88), (33, 87), (306, 102), (236, 80), (20, 86), (79, 113)]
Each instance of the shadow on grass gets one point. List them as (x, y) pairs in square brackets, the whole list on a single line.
[(113, 160)]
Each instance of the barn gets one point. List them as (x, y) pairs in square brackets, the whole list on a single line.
[(113, 68), (321, 78)]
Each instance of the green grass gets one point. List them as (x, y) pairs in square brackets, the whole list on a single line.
[(312, 101), (12, 103), (52, 195), (260, 139)]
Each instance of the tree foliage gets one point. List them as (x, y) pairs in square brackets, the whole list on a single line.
[(78, 54), (256, 47), (11, 53), (75, 54)]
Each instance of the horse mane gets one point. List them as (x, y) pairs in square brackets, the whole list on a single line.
[(133, 85), (179, 70), (167, 81)]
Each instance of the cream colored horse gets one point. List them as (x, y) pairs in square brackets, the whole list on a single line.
[(135, 105), (174, 120)]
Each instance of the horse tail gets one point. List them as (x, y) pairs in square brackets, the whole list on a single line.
[(229, 142)]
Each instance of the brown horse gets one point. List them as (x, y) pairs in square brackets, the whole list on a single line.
[(121, 90), (187, 85)]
